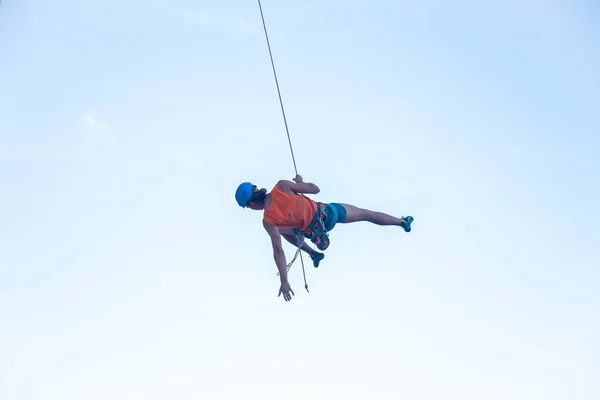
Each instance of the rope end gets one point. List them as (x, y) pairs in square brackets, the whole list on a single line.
[(306, 287)]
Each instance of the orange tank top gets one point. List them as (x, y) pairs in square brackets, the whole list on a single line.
[(290, 210)]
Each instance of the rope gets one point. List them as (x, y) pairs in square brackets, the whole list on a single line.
[(286, 128)]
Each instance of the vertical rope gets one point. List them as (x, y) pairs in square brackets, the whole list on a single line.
[(284, 117)]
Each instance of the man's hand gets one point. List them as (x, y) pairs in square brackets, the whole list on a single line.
[(286, 290), (299, 186)]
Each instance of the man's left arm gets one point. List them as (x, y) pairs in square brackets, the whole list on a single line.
[(279, 256)]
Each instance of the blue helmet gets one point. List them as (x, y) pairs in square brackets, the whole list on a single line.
[(243, 193)]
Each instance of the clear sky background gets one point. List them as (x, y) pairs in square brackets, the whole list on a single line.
[(127, 271)]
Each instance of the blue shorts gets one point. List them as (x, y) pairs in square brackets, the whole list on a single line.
[(334, 213)]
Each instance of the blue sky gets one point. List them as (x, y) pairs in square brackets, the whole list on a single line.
[(128, 271)]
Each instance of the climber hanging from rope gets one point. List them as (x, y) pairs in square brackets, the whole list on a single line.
[(288, 212)]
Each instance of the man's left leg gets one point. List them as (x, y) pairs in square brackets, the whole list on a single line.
[(357, 214), (291, 237)]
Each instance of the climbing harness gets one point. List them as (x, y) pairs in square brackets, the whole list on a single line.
[(300, 237), (316, 230)]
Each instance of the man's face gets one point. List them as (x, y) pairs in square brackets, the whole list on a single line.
[(254, 206)]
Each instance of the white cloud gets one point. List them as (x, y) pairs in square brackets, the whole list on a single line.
[(97, 132), (95, 123), (98, 135), (91, 121)]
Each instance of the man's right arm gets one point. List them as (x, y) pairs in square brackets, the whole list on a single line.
[(299, 186)]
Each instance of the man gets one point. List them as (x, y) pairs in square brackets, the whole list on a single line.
[(288, 212)]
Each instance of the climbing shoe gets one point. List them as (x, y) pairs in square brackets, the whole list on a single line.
[(406, 225), (317, 257)]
